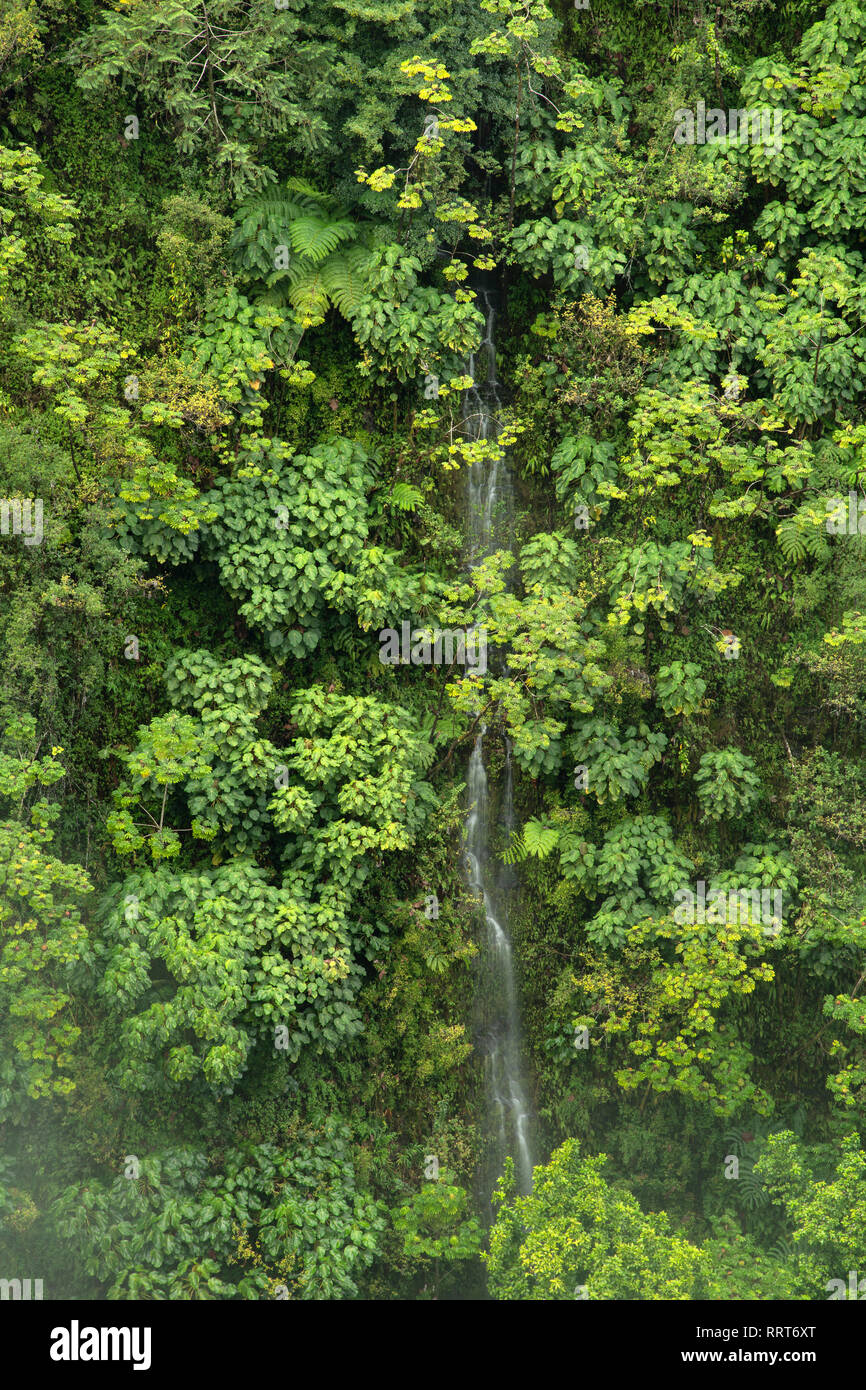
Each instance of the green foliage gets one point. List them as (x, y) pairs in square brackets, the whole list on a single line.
[(826, 1210), (727, 783), (554, 662), (252, 957), (671, 1005), (739, 1268), (756, 867), (577, 1236), (406, 328), (296, 242), (581, 465), (42, 935), (191, 241), (535, 839), (616, 766), (237, 345), (28, 211), (65, 601), (638, 867), (679, 688), (299, 1220), (19, 38), (435, 1223), (659, 576), (218, 68), (477, 222), (549, 561), (248, 960), (78, 366), (289, 534)]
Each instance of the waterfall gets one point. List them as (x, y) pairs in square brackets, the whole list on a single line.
[(498, 1026)]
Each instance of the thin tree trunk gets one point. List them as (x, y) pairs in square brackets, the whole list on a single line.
[(217, 128)]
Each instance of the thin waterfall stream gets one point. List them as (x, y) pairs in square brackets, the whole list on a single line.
[(489, 507)]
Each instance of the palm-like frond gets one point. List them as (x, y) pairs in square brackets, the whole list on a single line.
[(516, 851), (344, 276), (803, 534), (269, 213), (304, 187), (406, 497), (298, 201), (537, 841), (298, 242), (308, 294), (315, 238)]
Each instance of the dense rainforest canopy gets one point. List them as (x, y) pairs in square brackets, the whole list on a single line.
[(246, 251)]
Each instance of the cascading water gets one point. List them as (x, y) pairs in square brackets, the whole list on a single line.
[(498, 1027)]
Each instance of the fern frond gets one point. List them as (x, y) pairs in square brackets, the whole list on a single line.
[(315, 238), (752, 1192), (783, 1250), (803, 534), (306, 188), (308, 295), (276, 202), (345, 276), (791, 541), (516, 851), (539, 840), (268, 216), (406, 497), (733, 1142)]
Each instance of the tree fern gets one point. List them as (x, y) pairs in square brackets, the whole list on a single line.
[(307, 293), (516, 851), (803, 534), (344, 277), (537, 841), (784, 1251), (306, 189), (323, 261), (262, 224), (314, 238), (751, 1191), (406, 497)]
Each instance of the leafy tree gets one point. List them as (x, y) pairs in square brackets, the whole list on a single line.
[(739, 1268), (221, 69), (436, 1225), (78, 366), (577, 1236), (302, 247), (254, 961), (826, 1210), (478, 225), (169, 1226), (616, 766), (680, 688), (671, 1007), (289, 533), (638, 867), (28, 210), (43, 937), (549, 560), (554, 659), (727, 784), (407, 328), (19, 38)]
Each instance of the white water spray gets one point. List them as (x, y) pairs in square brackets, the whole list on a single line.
[(489, 502)]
